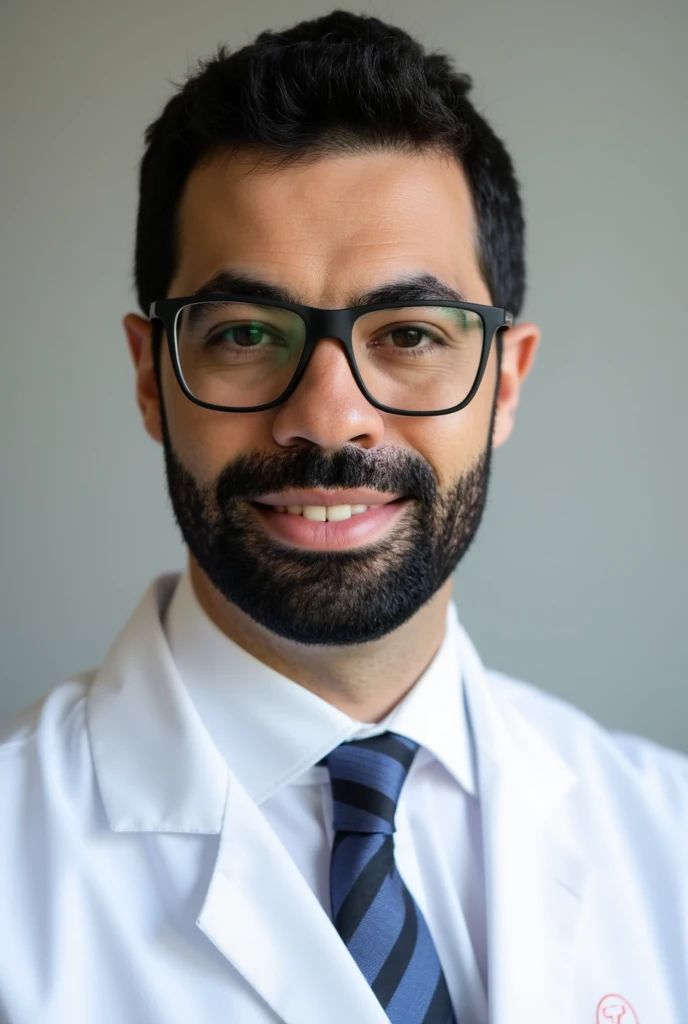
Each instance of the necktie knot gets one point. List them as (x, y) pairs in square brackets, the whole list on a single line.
[(367, 776)]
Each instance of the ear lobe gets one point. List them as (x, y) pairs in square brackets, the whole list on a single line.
[(139, 333), (520, 344)]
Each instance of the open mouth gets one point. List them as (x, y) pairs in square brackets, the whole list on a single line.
[(325, 513), (329, 527)]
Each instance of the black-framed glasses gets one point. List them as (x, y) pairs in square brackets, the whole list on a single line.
[(236, 353)]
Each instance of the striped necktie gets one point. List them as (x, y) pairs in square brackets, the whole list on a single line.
[(372, 909)]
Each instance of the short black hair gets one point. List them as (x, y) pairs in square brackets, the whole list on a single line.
[(338, 83)]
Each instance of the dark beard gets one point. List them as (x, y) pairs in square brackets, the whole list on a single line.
[(327, 597)]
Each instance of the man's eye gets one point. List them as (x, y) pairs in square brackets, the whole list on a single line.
[(243, 336), (410, 337)]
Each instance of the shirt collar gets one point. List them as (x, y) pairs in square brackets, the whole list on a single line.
[(270, 729)]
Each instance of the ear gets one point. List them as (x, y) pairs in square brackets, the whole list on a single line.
[(139, 333), (520, 343)]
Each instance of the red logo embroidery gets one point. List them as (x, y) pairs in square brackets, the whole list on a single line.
[(613, 1009)]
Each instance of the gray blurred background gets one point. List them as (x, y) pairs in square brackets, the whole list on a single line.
[(577, 581)]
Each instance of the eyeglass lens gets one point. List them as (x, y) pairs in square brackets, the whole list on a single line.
[(415, 358)]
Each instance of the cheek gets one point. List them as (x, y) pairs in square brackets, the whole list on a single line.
[(454, 443), (206, 441)]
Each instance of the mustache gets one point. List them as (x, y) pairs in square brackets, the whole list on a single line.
[(394, 469)]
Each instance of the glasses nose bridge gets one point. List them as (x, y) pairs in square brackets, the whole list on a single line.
[(331, 323)]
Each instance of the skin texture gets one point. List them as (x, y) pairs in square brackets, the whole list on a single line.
[(327, 230)]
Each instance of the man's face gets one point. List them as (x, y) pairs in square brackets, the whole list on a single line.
[(326, 231)]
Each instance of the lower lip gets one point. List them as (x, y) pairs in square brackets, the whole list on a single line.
[(364, 528)]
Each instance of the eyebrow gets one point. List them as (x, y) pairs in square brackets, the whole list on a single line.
[(414, 288)]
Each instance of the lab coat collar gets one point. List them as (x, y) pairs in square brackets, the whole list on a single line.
[(506, 741), (157, 768)]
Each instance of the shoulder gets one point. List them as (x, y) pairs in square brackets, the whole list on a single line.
[(50, 738), (624, 766), (45, 758), (60, 709)]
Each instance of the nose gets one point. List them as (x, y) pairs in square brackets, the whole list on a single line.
[(328, 409)]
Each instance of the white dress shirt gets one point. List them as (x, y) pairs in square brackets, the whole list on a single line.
[(272, 732)]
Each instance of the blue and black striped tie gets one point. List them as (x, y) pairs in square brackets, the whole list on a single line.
[(372, 909)]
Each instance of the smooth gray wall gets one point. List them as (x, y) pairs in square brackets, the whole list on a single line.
[(577, 581)]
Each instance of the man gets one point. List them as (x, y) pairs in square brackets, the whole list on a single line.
[(292, 792)]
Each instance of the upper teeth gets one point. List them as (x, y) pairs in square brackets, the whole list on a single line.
[(323, 513)]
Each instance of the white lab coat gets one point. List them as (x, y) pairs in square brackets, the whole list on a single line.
[(141, 885)]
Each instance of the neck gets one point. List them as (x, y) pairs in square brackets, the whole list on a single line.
[(363, 680)]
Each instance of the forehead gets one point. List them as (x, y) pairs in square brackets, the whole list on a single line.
[(334, 226)]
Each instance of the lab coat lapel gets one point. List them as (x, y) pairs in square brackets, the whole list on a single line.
[(534, 893), (264, 918), (535, 878)]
